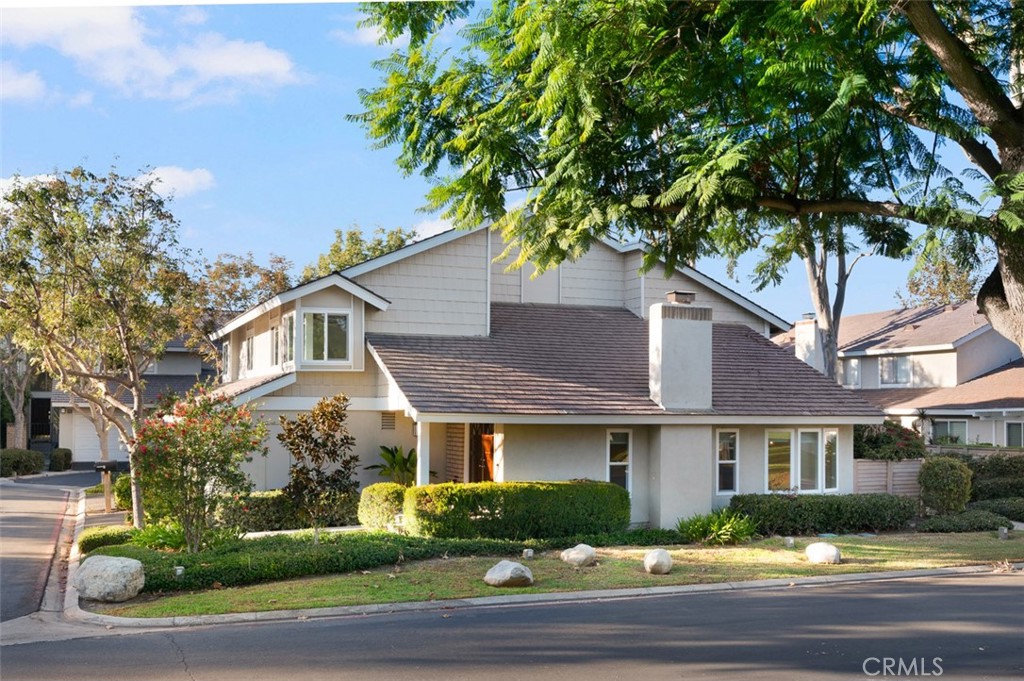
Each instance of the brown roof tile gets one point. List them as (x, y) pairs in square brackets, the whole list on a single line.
[(1002, 388), (556, 359)]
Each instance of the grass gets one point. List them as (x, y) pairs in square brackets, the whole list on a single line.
[(618, 567)]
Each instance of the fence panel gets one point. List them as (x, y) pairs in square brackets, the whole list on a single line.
[(891, 477)]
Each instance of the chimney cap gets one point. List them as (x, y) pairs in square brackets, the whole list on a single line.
[(681, 297), (809, 315)]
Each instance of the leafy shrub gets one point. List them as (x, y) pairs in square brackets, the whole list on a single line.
[(20, 462), (1012, 507), (724, 526), (123, 492), (968, 521), (999, 488), (996, 466), (398, 466), (166, 534), (815, 513), (380, 503), (945, 484), (275, 510), (60, 459), (515, 510), (888, 441), (93, 538)]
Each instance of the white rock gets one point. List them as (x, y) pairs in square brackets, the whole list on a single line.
[(109, 579), (658, 562), (580, 555), (822, 552), (509, 573)]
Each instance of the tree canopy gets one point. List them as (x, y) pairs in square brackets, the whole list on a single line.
[(707, 127), (350, 247), (93, 287)]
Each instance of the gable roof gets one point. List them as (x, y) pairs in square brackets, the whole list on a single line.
[(454, 234), (939, 327), (1000, 389), (334, 279), (561, 360), (156, 386)]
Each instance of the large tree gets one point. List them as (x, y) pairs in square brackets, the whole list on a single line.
[(351, 247), (93, 286), (702, 126)]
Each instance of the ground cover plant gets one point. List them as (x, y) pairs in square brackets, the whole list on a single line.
[(398, 577)]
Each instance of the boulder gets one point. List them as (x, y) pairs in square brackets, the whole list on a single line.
[(658, 562), (580, 555), (822, 552), (509, 573), (109, 579)]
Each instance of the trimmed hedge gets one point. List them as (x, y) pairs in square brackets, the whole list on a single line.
[(60, 459), (1012, 507), (380, 503), (274, 510), (945, 484), (999, 488), (813, 514), (20, 462), (107, 535), (997, 466), (515, 510), (968, 521)]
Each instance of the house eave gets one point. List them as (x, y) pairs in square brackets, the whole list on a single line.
[(643, 420)]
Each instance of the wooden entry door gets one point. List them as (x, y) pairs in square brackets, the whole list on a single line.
[(481, 452)]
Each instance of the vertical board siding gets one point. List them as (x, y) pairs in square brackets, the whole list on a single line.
[(724, 310)]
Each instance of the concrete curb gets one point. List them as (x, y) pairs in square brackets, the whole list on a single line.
[(82, 616)]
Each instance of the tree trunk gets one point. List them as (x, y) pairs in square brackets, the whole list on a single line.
[(20, 440), (1001, 297)]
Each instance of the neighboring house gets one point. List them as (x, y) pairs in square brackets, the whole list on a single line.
[(586, 371), (176, 372), (943, 370)]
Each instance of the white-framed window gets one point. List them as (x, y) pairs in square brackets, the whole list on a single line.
[(949, 431), (727, 462), (275, 346), (806, 460), (326, 336), (620, 458), (225, 360), (249, 354), (894, 370), (288, 338), (1014, 434), (850, 370)]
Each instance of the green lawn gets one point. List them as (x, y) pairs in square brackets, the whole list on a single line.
[(619, 567)]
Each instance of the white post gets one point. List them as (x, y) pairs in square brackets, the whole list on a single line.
[(422, 453)]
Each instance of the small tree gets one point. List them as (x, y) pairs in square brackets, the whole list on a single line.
[(191, 457), (351, 248), (945, 484), (316, 440)]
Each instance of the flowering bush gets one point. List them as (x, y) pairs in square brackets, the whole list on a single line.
[(889, 441), (191, 457)]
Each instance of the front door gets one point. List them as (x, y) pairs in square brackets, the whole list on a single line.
[(481, 452)]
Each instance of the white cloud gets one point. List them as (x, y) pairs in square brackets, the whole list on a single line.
[(191, 16), (19, 85), (428, 228), (179, 182), (363, 35), (116, 48)]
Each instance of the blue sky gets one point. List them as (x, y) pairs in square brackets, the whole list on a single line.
[(240, 110)]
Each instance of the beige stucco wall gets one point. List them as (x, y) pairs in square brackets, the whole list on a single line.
[(679, 473), (440, 291), (983, 354), (928, 370)]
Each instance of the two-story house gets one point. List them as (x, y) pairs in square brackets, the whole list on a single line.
[(590, 370), (942, 370)]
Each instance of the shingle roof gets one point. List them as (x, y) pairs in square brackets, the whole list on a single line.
[(157, 385), (1002, 388), (244, 385), (907, 328), (555, 359)]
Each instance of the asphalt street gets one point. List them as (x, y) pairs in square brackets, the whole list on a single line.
[(30, 518), (966, 627)]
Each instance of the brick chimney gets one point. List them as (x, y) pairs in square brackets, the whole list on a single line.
[(680, 353), (807, 342)]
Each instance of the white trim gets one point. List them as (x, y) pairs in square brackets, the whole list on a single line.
[(465, 451), (911, 350), (349, 350), (735, 463), (641, 420), (338, 280), (487, 304), (409, 251), (629, 457)]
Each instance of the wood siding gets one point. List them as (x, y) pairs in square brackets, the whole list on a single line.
[(455, 444), (890, 477)]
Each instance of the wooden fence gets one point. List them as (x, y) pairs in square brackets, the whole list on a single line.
[(976, 452), (892, 477)]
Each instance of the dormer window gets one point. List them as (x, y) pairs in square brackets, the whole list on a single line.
[(288, 338), (326, 337)]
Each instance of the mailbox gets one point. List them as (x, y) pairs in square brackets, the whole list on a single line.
[(106, 466)]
